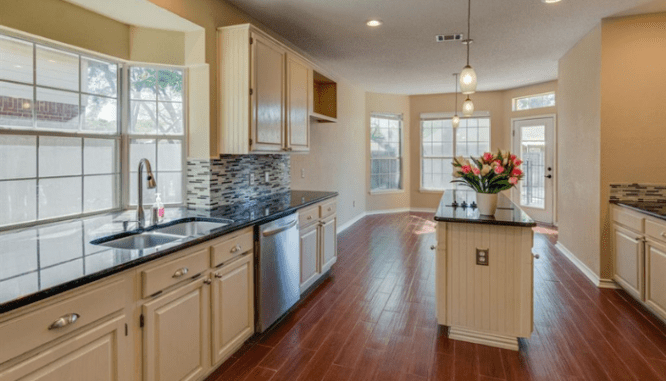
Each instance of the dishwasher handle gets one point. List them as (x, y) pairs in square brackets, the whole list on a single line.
[(271, 232)]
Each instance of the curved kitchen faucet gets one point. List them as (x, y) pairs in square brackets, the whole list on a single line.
[(140, 217)]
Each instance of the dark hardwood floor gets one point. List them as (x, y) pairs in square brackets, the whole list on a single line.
[(374, 319)]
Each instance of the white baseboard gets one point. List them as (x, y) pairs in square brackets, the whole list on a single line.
[(351, 222), (591, 275)]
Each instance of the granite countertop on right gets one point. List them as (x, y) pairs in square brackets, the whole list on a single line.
[(654, 208)]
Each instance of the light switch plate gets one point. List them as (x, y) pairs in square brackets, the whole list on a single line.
[(251, 178), (482, 257), (266, 177), (302, 173)]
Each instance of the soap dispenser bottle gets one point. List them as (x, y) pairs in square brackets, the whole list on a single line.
[(158, 208)]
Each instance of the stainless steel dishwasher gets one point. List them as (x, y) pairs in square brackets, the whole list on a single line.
[(278, 270)]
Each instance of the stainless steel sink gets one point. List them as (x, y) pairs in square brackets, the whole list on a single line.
[(191, 228), (141, 241)]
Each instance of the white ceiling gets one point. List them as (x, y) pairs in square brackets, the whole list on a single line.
[(516, 42)]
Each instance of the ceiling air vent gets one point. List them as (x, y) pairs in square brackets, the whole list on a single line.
[(449, 37)]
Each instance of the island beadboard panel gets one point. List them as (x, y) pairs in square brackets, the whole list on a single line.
[(212, 183)]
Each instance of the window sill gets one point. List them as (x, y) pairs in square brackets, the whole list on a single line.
[(388, 191), (440, 191)]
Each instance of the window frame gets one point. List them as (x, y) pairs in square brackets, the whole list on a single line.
[(442, 117), (514, 101), (121, 136), (399, 118)]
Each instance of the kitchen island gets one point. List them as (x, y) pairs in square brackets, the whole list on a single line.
[(484, 268)]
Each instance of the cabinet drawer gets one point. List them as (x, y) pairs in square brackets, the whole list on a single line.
[(158, 278), (628, 218), (308, 216), (655, 229), (39, 327), (327, 209), (231, 248)]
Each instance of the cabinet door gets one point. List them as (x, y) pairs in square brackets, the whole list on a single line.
[(97, 353), (629, 260), (309, 256), (329, 243), (298, 98), (268, 101), (233, 307), (655, 282), (175, 334)]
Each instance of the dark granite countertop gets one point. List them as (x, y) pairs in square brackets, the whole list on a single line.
[(508, 213), (42, 261), (656, 209)]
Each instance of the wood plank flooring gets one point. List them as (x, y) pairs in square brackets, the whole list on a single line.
[(374, 319)]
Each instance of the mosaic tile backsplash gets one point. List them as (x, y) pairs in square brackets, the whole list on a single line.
[(212, 183), (638, 192)]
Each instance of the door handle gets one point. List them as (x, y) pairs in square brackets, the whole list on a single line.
[(549, 176), (290, 225)]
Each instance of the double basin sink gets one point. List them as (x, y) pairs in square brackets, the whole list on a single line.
[(162, 234)]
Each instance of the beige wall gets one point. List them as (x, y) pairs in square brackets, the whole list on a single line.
[(633, 95), (337, 157), (579, 121), (392, 104), (157, 46), (486, 101), (67, 23)]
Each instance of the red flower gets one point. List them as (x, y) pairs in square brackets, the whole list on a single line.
[(499, 170), (487, 157), (466, 169), (476, 171), (517, 162), (513, 157), (516, 172)]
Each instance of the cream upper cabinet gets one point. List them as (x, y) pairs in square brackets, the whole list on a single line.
[(267, 70), (309, 256), (655, 282), (175, 334), (299, 92), (629, 262), (329, 242), (265, 93), (232, 306)]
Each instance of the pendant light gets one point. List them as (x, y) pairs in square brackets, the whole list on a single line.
[(468, 107), (455, 121), (468, 75)]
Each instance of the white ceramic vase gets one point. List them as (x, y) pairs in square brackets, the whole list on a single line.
[(487, 203)]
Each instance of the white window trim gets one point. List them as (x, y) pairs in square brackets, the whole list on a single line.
[(122, 136), (399, 118), (440, 116)]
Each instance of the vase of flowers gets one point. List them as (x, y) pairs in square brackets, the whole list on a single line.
[(487, 176)]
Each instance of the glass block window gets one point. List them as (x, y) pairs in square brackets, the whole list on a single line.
[(385, 152), (440, 143), (156, 131), (59, 133), (534, 101)]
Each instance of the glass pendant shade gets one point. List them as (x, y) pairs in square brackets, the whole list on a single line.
[(455, 121), (468, 107), (468, 80)]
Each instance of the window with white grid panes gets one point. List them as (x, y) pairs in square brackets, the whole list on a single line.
[(156, 131), (440, 143), (385, 152), (59, 133), (531, 102)]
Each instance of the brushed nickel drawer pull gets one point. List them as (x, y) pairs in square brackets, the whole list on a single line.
[(663, 234), (218, 276), (235, 249), (180, 272), (64, 321), (309, 217), (207, 281), (329, 209)]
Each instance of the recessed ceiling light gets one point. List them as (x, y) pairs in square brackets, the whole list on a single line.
[(374, 22), (550, 1)]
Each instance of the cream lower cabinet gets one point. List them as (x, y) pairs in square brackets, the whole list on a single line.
[(232, 306), (318, 242), (98, 353), (629, 260), (175, 334), (655, 281)]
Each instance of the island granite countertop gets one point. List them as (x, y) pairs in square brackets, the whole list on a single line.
[(451, 210), (42, 261)]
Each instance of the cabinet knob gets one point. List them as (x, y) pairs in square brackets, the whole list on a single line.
[(329, 209), (180, 272), (663, 234), (207, 281), (218, 276), (64, 321), (433, 247), (235, 249), (309, 217), (537, 256)]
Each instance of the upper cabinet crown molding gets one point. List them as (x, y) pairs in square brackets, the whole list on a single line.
[(267, 94)]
